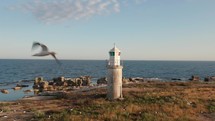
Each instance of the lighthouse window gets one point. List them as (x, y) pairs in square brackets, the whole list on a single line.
[(112, 54)]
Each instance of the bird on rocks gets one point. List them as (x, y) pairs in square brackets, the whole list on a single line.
[(45, 51)]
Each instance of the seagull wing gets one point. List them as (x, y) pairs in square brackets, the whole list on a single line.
[(44, 48), (36, 44)]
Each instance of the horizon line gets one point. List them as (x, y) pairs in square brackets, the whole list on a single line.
[(103, 59)]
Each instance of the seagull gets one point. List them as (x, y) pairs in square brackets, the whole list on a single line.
[(45, 51)]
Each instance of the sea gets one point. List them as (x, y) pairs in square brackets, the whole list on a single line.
[(18, 71)]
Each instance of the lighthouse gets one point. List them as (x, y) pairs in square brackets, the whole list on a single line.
[(114, 75)]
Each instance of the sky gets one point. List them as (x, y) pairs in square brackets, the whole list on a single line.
[(88, 29)]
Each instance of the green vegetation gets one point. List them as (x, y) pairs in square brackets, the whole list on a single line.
[(38, 115), (4, 104), (211, 106)]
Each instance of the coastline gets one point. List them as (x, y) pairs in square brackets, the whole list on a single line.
[(22, 92), (154, 100)]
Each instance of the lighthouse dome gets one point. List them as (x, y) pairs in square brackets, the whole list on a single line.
[(115, 49)]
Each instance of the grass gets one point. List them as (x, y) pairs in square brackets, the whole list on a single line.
[(4, 104), (38, 114), (174, 102), (183, 118), (211, 106), (167, 101), (5, 109)]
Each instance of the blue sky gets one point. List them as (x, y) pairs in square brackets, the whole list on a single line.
[(87, 29)]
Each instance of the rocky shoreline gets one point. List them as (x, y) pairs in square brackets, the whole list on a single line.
[(143, 100), (67, 84), (75, 90)]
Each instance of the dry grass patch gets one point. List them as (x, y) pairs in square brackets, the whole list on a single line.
[(154, 101)]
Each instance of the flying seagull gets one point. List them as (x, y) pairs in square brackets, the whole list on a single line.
[(45, 51)]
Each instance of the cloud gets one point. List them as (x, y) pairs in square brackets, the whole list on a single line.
[(52, 11)]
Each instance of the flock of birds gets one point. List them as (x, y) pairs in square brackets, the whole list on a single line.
[(45, 51)]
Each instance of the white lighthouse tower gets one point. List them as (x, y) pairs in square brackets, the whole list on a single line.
[(114, 75)]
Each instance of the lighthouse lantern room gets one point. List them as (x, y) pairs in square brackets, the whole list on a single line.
[(114, 56)]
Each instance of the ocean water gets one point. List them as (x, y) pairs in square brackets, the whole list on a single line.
[(15, 71)]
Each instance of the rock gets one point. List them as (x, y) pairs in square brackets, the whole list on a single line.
[(22, 85), (38, 80), (59, 81), (36, 91), (71, 82), (39, 84), (4, 91), (176, 79), (17, 88), (65, 84), (44, 85), (51, 83), (79, 82), (50, 88), (36, 86), (210, 79), (86, 80), (136, 79), (102, 80), (195, 78), (27, 91)]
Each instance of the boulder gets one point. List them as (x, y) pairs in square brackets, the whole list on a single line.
[(41, 85), (195, 78), (27, 91), (50, 88), (22, 85), (44, 84), (38, 80), (176, 79), (86, 80), (79, 82), (65, 84), (4, 91), (51, 83), (210, 79), (71, 82), (102, 80), (59, 81), (36, 86), (136, 79), (17, 88), (36, 91)]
